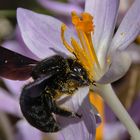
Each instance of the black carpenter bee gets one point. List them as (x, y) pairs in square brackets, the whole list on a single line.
[(52, 77)]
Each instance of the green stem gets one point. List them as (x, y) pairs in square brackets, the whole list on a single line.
[(108, 94)]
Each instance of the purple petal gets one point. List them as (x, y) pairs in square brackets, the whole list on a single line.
[(26, 132), (104, 13), (133, 110), (135, 114), (9, 104), (19, 47), (109, 115), (78, 128), (41, 33), (113, 131), (15, 87), (60, 7), (123, 8), (129, 28), (19, 39), (77, 1), (134, 51), (13, 46), (119, 66)]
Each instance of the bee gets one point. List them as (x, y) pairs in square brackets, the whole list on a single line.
[(52, 77)]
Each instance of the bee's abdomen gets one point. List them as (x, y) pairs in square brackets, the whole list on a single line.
[(37, 114)]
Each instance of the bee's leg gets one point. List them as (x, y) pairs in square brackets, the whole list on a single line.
[(51, 125), (50, 102), (67, 90)]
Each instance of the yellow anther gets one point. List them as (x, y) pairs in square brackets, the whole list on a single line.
[(82, 57), (63, 28), (87, 44), (80, 53), (84, 27), (84, 52), (93, 50)]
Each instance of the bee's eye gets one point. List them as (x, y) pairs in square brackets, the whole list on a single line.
[(78, 70)]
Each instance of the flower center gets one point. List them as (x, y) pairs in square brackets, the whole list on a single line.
[(84, 50)]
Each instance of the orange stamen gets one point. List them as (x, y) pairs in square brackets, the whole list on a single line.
[(98, 102), (84, 23), (85, 54)]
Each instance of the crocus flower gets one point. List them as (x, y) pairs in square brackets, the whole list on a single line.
[(24, 129), (101, 53), (79, 102), (74, 128)]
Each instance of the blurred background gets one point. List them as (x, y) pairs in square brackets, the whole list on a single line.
[(12, 124)]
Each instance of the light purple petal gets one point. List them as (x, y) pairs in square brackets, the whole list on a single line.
[(15, 87), (109, 115), (77, 1), (135, 114), (75, 128), (19, 39), (104, 13), (14, 46), (41, 33), (129, 28), (134, 51), (123, 8), (9, 104), (119, 66), (26, 132), (60, 7), (18, 47), (113, 131)]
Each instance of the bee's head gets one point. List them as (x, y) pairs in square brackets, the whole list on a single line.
[(77, 73)]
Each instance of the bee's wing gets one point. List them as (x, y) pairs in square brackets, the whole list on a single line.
[(15, 66), (35, 88)]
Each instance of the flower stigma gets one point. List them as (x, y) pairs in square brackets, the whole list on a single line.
[(83, 51)]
